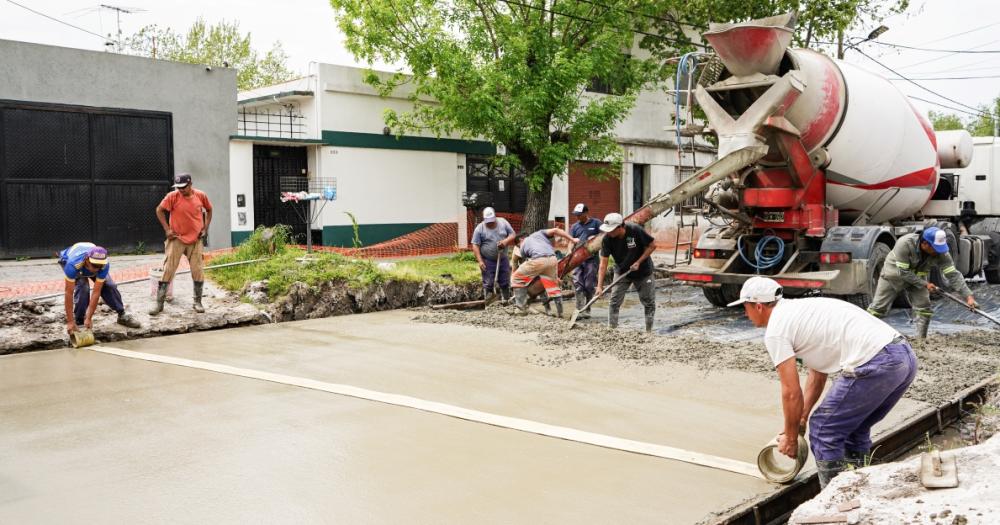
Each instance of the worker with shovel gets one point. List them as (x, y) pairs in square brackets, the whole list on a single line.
[(190, 214), (81, 263), (585, 275), (907, 269), (489, 244), (539, 260), (875, 363), (631, 246)]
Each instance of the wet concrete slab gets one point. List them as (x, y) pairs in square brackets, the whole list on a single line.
[(89, 437)]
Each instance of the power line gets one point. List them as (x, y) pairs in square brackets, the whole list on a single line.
[(962, 33), (938, 104), (946, 78), (898, 74), (942, 57), (951, 51), (54, 19)]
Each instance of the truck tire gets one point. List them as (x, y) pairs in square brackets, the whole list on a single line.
[(992, 269), (876, 259), (722, 295)]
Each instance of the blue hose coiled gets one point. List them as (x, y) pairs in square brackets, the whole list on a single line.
[(762, 262)]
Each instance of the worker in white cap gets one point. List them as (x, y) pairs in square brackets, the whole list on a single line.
[(631, 246), (907, 270), (489, 242), (585, 275), (875, 363)]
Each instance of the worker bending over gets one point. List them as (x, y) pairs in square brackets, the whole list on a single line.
[(489, 244), (538, 260), (875, 362), (631, 247), (585, 275), (81, 263), (907, 269)]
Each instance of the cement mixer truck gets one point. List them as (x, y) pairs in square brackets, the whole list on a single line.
[(822, 165)]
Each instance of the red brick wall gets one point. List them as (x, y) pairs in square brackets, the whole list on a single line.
[(602, 197)]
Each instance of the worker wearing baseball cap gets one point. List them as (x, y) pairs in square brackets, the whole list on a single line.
[(489, 244), (585, 275), (81, 263), (875, 363), (631, 246), (190, 214), (907, 270)]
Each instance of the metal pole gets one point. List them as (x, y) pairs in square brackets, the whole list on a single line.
[(309, 227)]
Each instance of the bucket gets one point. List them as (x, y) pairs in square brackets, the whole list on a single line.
[(779, 468), (81, 338), (155, 275)]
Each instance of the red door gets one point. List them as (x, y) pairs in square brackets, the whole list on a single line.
[(602, 197)]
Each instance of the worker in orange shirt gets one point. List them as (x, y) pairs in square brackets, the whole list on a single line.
[(190, 214)]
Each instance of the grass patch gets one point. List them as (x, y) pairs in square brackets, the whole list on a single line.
[(282, 268)]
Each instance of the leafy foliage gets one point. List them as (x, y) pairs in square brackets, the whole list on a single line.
[(214, 45), (983, 125), (945, 121)]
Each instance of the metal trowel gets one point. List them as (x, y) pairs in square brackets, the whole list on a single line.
[(938, 471)]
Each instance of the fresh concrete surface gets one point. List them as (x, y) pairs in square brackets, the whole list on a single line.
[(93, 438)]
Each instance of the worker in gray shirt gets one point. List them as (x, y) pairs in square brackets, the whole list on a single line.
[(907, 269), (539, 256), (489, 244)]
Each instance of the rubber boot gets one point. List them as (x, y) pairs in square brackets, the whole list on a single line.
[(548, 306), (649, 323), (857, 458), (199, 286), (520, 301), (581, 301), (612, 319), (128, 320), (827, 470), (161, 296), (559, 307), (505, 295), (922, 324), (590, 295)]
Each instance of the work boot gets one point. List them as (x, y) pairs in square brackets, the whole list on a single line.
[(649, 323), (612, 319), (198, 288), (590, 295), (857, 458), (161, 296), (922, 323), (505, 295), (520, 301), (559, 307), (128, 320), (581, 301), (827, 470)]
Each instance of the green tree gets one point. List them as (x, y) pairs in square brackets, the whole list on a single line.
[(214, 45), (945, 121), (984, 125), (515, 72)]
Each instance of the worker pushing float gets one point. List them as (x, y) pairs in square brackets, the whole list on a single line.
[(907, 270), (82, 263), (875, 363)]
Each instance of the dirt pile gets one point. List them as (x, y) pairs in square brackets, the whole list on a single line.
[(892, 493), (337, 298), (948, 363)]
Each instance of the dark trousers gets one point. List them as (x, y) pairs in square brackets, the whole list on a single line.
[(857, 400), (503, 280), (81, 297), (585, 277)]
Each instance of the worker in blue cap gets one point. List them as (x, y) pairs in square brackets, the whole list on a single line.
[(81, 263), (907, 270)]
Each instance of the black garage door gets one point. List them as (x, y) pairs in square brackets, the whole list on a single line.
[(72, 173)]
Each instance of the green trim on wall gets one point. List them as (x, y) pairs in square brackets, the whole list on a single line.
[(276, 140), (238, 237), (370, 234), (350, 139)]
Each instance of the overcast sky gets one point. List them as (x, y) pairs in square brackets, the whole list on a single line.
[(307, 30)]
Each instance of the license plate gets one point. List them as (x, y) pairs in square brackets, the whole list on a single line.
[(773, 216)]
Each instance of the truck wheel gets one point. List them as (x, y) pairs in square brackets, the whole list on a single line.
[(722, 295), (992, 269), (876, 259)]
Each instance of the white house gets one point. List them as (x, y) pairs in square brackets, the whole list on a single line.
[(328, 126)]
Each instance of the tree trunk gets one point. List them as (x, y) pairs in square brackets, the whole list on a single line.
[(536, 213)]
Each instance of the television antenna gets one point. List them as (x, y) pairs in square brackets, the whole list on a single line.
[(119, 10)]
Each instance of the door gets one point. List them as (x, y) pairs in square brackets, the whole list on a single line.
[(277, 169), (601, 196), (78, 173), (507, 186)]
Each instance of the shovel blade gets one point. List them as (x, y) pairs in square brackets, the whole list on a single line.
[(572, 319)]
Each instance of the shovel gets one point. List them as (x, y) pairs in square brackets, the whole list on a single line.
[(958, 300), (572, 320), (496, 279)]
